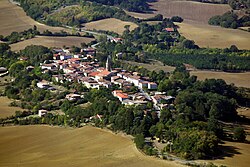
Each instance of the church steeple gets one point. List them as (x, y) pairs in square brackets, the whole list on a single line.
[(108, 63)]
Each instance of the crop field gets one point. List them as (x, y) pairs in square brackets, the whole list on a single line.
[(51, 42), (215, 37), (110, 24), (195, 26), (238, 79), (29, 146), (189, 10), (13, 18), (5, 109)]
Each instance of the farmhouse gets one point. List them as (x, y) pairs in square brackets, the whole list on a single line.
[(120, 95), (72, 97), (169, 29), (48, 66), (43, 84), (42, 112)]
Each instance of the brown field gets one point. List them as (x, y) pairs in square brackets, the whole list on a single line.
[(51, 42), (13, 18), (215, 37), (5, 110), (195, 26), (140, 15), (29, 146), (188, 10), (110, 24), (239, 79), (237, 154)]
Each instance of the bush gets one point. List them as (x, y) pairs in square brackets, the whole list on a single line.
[(239, 134)]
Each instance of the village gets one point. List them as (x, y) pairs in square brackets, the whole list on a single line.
[(129, 87)]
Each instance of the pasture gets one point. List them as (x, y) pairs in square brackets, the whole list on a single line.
[(29, 146), (110, 24), (214, 36), (13, 18), (5, 109), (238, 79), (51, 42)]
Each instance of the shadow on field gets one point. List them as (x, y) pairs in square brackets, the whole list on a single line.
[(227, 151)]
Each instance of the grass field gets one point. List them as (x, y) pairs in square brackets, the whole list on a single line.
[(215, 37), (153, 65), (5, 110), (110, 24), (51, 42), (13, 18), (30, 146)]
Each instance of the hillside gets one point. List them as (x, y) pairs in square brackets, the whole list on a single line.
[(13, 18), (62, 147)]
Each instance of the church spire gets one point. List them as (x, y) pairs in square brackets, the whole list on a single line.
[(108, 63)]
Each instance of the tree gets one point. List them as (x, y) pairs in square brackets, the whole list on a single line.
[(139, 141), (177, 19), (239, 134)]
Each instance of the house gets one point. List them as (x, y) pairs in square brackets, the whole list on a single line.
[(136, 103), (135, 79), (56, 57), (42, 112), (116, 40), (43, 84), (143, 84), (73, 97), (69, 70), (103, 75), (163, 99), (119, 55), (120, 95), (57, 50), (23, 58), (48, 66), (152, 86), (3, 69), (114, 78), (29, 68), (89, 51), (169, 29), (65, 57)]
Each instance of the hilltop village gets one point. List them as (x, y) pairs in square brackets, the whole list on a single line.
[(128, 86)]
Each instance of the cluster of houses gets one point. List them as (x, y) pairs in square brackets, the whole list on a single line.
[(83, 69)]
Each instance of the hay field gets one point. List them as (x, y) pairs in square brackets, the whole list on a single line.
[(110, 24), (43, 146), (13, 18), (239, 79), (50, 42), (189, 10), (214, 36), (5, 110)]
